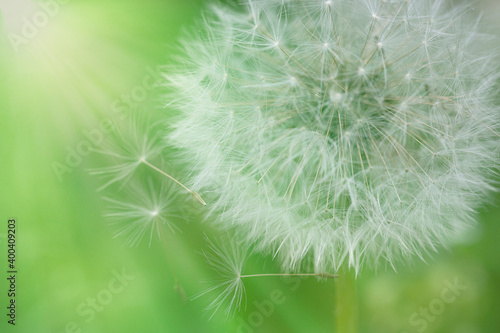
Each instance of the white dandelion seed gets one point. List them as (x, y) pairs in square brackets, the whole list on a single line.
[(144, 213), (228, 259), (133, 145)]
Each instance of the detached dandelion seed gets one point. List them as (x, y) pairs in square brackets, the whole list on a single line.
[(132, 148), (143, 214), (131, 145), (228, 260)]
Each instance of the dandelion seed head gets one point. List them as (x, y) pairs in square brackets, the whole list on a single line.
[(376, 153)]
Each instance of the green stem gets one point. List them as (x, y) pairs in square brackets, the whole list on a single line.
[(346, 305), (177, 286)]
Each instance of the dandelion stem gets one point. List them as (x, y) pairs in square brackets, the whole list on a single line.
[(177, 285), (195, 195), (346, 305), (321, 275)]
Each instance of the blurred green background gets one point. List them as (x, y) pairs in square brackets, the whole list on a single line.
[(67, 66)]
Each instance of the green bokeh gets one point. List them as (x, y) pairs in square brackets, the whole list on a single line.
[(67, 78)]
